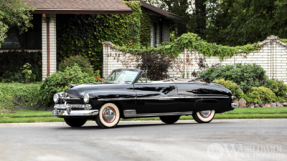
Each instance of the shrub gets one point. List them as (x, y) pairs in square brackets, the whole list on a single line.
[(59, 82), (28, 95), (12, 62), (233, 87), (246, 76), (157, 65), (260, 95), (82, 62), (278, 87)]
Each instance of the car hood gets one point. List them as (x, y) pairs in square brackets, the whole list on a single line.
[(78, 90)]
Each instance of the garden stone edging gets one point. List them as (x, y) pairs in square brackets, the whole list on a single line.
[(243, 104)]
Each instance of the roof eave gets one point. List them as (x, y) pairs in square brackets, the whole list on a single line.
[(166, 15), (72, 11)]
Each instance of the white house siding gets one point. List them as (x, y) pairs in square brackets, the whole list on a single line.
[(272, 57), (53, 55)]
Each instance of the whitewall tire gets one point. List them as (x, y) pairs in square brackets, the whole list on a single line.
[(204, 116), (109, 116)]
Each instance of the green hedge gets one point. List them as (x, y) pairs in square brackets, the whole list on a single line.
[(260, 95), (278, 87), (245, 75), (29, 95), (11, 64)]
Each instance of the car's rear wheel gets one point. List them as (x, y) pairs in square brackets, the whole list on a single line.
[(169, 119), (74, 122), (109, 116), (203, 116)]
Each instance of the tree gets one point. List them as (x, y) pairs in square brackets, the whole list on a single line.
[(230, 22), (14, 13), (238, 22)]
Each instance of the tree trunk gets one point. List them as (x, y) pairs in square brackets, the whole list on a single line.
[(200, 12)]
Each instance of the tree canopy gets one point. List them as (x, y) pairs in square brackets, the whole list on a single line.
[(14, 13), (230, 22)]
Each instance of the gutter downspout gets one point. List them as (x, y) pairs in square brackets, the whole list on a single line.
[(47, 19)]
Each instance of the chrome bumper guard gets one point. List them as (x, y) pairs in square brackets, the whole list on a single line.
[(67, 110), (234, 105)]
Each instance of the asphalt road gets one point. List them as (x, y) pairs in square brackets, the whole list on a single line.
[(147, 140)]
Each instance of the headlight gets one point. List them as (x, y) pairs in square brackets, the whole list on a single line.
[(86, 98), (56, 98)]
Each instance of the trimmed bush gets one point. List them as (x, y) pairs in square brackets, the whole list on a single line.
[(233, 87), (28, 95), (59, 82), (260, 95), (82, 62), (277, 86), (246, 76)]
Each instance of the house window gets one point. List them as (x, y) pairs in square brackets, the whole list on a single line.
[(32, 39), (13, 40), (154, 34)]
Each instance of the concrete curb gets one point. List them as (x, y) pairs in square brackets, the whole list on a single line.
[(92, 123)]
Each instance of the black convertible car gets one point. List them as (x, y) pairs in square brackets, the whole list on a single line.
[(126, 93)]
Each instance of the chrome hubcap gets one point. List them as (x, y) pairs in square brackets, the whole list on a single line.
[(109, 114), (205, 113)]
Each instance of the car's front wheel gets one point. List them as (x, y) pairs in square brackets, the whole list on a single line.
[(74, 122), (203, 116), (169, 119), (109, 116)]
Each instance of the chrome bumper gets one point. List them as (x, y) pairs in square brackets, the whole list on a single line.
[(234, 105), (75, 113), (67, 110)]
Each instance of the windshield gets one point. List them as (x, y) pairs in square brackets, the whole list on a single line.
[(122, 75)]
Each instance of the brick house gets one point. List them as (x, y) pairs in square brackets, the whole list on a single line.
[(44, 34)]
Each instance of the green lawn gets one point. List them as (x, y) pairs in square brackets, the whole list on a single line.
[(26, 115)]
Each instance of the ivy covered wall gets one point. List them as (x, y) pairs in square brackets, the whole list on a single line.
[(83, 34)]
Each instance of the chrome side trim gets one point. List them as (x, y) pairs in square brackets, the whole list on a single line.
[(205, 97), (159, 98), (132, 113), (75, 113), (115, 99), (234, 105)]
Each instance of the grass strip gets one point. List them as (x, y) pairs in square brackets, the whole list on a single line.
[(30, 119)]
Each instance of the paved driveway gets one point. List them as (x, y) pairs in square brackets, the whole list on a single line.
[(147, 140)]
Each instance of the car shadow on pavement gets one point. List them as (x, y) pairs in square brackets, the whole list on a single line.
[(95, 127)]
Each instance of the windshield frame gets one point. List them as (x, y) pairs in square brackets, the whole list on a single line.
[(121, 71)]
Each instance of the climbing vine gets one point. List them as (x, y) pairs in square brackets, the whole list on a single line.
[(145, 28), (192, 42), (84, 34)]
